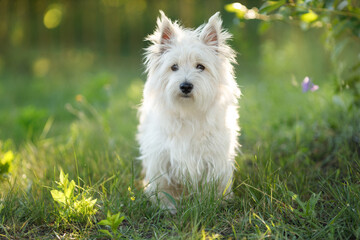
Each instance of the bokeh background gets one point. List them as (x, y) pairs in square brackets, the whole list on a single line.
[(53, 51)]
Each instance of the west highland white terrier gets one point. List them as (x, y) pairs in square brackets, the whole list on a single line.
[(188, 118)]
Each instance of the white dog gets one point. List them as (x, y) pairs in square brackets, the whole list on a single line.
[(188, 118)]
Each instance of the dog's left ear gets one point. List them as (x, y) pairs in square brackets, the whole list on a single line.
[(212, 30), (166, 28)]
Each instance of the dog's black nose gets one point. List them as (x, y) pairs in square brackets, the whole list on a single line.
[(186, 87)]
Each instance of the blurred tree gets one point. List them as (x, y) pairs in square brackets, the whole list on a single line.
[(110, 27)]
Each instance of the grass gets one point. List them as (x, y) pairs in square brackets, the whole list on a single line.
[(297, 174)]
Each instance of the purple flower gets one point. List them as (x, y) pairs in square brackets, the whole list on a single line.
[(307, 85)]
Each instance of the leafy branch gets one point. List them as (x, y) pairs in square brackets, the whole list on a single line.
[(339, 19)]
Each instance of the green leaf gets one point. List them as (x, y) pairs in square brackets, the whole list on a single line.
[(62, 177), (116, 216), (63, 180), (119, 221), (91, 203), (58, 196), (70, 190), (309, 17), (270, 6), (106, 232), (169, 197), (105, 222), (297, 199), (313, 200)]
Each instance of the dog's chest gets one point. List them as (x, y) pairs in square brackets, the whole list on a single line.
[(191, 142)]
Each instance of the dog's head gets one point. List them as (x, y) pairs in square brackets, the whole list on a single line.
[(188, 68)]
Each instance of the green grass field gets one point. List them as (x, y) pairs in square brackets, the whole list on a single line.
[(297, 173)]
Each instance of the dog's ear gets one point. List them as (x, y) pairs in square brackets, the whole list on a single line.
[(166, 28), (210, 33)]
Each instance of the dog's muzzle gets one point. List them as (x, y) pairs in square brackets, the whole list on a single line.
[(186, 87)]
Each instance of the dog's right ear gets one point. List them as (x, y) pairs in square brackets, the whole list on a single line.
[(167, 31)]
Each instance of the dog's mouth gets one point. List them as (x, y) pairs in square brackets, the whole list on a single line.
[(185, 95)]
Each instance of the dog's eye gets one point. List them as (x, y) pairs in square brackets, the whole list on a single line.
[(174, 67), (200, 67)]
